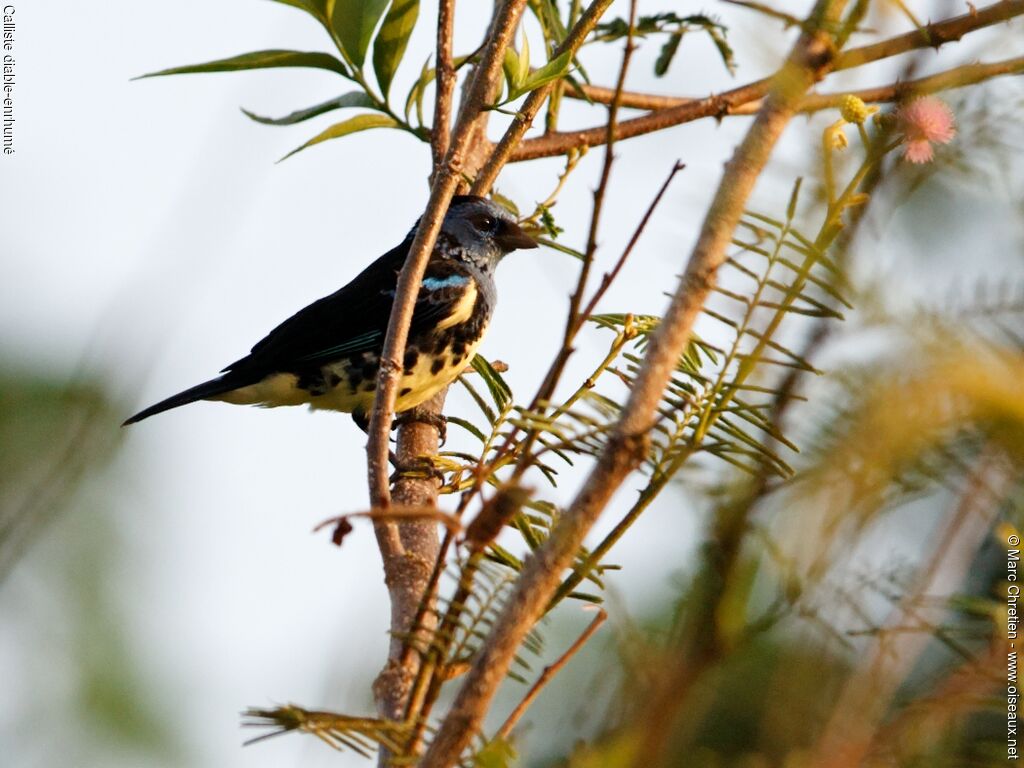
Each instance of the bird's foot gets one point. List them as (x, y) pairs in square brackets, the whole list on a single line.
[(416, 415), (418, 468)]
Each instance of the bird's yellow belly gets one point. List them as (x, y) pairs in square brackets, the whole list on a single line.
[(418, 383)]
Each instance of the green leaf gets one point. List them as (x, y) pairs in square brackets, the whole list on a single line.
[(344, 128), (500, 391), (315, 8), (524, 61), (392, 40), (353, 21), (546, 12), (510, 65), (668, 52), (259, 60), (415, 97), (353, 99), (554, 69)]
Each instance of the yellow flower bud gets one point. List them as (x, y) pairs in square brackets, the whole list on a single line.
[(853, 109), (839, 140)]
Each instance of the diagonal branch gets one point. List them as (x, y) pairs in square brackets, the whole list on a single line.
[(957, 77), (526, 114), (541, 573), (671, 111)]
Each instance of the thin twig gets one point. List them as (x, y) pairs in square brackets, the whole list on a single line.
[(609, 277), (727, 103), (541, 572), (549, 672), (398, 512), (957, 77), (526, 114), (931, 35)]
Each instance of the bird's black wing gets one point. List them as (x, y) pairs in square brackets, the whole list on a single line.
[(353, 319), (350, 321)]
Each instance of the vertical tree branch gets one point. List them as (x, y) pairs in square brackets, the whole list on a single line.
[(408, 552), (445, 83), (409, 557), (626, 447)]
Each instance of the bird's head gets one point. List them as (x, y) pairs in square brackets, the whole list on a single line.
[(481, 232)]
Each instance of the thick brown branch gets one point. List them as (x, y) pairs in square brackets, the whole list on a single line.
[(671, 111), (627, 445), (408, 553)]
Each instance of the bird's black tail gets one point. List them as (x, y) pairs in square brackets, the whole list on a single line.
[(210, 388)]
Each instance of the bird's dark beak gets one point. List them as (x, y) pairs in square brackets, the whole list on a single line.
[(511, 237)]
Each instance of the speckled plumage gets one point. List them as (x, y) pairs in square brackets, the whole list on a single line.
[(327, 355)]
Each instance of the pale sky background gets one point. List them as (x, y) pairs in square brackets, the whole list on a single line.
[(147, 235)]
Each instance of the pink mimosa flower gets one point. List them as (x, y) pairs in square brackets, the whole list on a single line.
[(925, 121)]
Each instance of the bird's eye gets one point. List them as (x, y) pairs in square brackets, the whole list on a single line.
[(484, 222)]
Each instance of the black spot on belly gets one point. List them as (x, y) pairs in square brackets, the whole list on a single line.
[(456, 360), (355, 378), (411, 356), (315, 382), (437, 365), (369, 370), (459, 347), (405, 391), (438, 344), (333, 379)]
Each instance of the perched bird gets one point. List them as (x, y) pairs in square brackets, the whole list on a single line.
[(327, 355)]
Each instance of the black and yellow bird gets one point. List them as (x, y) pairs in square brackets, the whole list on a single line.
[(327, 355)]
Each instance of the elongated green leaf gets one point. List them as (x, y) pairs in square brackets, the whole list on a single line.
[(259, 60), (390, 46), (495, 383), (315, 8), (510, 66), (353, 21), (415, 97), (524, 61), (554, 69), (668, 52), (344, 128), (353, 99)]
